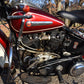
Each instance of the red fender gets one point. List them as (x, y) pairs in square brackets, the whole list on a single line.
[(4, 41), (8, 49)]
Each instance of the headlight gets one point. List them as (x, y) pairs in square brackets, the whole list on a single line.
[(3, 56)]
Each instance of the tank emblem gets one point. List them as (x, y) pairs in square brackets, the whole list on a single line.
[(28, 24)]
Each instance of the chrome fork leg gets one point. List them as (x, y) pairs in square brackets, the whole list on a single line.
[(10, 56)]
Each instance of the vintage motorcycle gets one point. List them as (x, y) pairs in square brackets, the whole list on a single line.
[(40, 45)]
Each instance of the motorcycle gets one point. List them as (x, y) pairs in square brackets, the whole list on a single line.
[(41, 45)]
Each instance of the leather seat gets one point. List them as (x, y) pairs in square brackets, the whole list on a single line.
[(75, 16)]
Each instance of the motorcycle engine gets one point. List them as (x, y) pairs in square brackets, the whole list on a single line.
[(48, 43), (45, 41)]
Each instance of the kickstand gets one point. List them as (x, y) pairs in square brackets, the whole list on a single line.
[(9, 76)]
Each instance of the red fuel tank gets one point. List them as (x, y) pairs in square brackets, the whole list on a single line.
[(39, 22)]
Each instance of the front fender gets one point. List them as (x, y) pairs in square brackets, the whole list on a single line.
[(4, 49), (4, 39)]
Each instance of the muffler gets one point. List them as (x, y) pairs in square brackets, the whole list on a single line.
[(77, 69)]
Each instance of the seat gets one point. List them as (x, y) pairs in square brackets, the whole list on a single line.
[(75, 16)]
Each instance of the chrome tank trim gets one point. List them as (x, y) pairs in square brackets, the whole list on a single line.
[(77, 69), (38, 23)]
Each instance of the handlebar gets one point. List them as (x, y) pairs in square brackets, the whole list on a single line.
[(19, 17)]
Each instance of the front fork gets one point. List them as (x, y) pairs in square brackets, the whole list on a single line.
[(10, 56)]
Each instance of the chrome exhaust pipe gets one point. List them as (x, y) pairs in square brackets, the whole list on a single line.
[(77, 69)]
